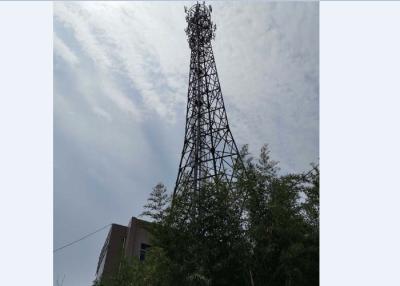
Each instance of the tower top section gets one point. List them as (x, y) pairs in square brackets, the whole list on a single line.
[(200, 29)]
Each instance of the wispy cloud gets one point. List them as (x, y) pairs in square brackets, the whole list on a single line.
[(267, 58), (126, 41), (62, 50)]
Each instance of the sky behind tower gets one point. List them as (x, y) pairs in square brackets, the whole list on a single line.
[(120, 87)]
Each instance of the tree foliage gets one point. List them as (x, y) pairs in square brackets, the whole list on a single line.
[(264, 231), (157, 203)]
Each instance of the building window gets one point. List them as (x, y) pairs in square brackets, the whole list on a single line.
[(123, 242), (143, 249)]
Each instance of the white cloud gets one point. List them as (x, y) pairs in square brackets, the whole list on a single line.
[(110, 89), (74, 17), (134, 40), (266, 53), (267, 59), (101, 112), (61, 49)]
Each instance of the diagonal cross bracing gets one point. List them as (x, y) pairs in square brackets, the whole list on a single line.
[(209, 151)]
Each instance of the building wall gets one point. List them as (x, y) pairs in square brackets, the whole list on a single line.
[(112, 252), (136, 236), (121, 242)]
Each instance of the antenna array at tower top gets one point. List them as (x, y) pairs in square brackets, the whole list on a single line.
[(200, 28)]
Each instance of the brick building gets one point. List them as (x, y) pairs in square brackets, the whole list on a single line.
[(122, 241)]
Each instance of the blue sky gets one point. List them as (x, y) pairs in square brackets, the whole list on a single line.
[(120, 83)]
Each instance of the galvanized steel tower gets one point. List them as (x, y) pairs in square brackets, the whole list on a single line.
[(209, 150)]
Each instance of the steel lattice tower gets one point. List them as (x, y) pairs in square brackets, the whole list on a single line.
[(209, 151)]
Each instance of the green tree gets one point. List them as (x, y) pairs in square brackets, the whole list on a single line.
[(263, 231), (157, 203), (154, 271), (284, 252)]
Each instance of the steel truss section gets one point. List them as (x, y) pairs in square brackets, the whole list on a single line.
[(209, 150)]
